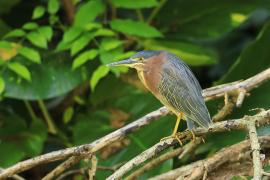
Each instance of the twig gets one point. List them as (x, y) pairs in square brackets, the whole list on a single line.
[(255, 147), (225, 110), (86, 148), (196, 170), (266, 173), (50, 123), (190, 146), (210, 93), (168, 155), (93, 169), (236, 124), (62, 167), (70, 10), (149, 153), (68, 173), (154, 163), (155, 11), (241, 97), (248, 84), (140, 15), (30, 110), (15, 176)]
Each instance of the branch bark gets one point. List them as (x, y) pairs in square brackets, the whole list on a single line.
[(235, 124), (255, 147), (210, 93), (198, 169)]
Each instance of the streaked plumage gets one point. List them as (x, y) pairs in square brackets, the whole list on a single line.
[(173, 83), (182, 92)]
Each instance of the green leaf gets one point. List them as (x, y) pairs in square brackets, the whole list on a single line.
[(61, 46), (15, 33), (135, 28), (30, 54), (93, 25), (30, 26), (252, 60), (80, 43), (2, 85), (38, 12), (207, 19), (37, 39), (71, 34), (55, 74), (84, 57), (98, 74), (131, 4), (191, 53), (68, 114), (20, 69), (86, 123), (107, 57), (46, 31), (88, 12), (104, 32), (5, 44), (53, 6), (109, 44)]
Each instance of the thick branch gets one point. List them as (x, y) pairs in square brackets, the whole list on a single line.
[(84, 149), (209, 93), (198, 169), (236, 124)]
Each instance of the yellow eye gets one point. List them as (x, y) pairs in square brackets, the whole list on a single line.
[(139, 59)]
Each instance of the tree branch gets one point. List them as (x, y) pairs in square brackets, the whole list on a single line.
[(236, 124), (255, 147), (198, 169), (210, 93)]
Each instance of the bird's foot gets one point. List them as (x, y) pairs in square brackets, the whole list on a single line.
[(193, 135), (174, 136)]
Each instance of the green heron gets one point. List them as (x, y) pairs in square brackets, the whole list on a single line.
[(173, 83)]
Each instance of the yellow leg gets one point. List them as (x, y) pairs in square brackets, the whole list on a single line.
[(177, 124), (174, 134)]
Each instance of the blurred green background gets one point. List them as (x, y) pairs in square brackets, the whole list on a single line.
[(56, 91)]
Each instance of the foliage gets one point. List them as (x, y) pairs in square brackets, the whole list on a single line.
[(58, 53)]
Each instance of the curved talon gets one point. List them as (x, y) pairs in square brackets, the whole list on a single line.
[(193, 135), (174, 136)]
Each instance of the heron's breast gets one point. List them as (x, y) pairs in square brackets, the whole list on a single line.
[(151, 75)]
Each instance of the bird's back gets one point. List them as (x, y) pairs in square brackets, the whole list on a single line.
[(181, 92)]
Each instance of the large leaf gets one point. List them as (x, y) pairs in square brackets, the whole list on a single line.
[(253, 59), (18, 140), (189, 52), (135, 28), (53, 78), (131, 4), (205, 19), (88, 12)]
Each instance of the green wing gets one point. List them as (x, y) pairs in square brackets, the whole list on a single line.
[(182, 91)]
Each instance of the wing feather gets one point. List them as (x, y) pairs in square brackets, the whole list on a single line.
[(182, 92)]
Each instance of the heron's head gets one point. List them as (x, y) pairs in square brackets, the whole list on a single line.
[(138, 60)]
